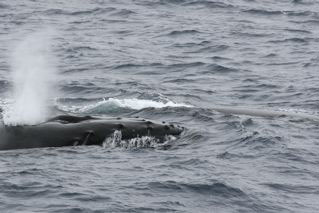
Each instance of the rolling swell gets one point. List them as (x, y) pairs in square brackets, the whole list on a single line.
[(214, 189)]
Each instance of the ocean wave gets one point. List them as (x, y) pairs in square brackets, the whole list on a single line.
[(298, 31), (4, 85), (133, 65), (80, 48), (3, 6), (293, 188), (123, 12), (209, 4), (279, 12), (215, 189), (182, 66), (263, 12), (220, 68), (295, 40), (164, 2), (210, 49), (182, 32), (114, 105), (77, 13)]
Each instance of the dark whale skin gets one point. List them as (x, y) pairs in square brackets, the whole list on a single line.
[(68, 130)]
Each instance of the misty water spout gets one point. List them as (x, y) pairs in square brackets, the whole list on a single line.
[(33, 71)]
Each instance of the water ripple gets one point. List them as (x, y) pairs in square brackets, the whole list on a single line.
[(173, 61)]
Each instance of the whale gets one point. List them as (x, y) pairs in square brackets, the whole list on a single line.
[(264, 113), (70, 130)]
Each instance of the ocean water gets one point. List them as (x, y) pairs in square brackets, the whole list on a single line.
[(172, 60)]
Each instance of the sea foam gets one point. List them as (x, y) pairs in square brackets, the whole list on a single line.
[(114, 104)]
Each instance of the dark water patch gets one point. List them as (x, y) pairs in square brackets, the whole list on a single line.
[(303, 2), (29, 189), (75, 210), (263, 12), (191, 44), (176, 33), (123, 13), (128, 65), (227, 155), (212, 189), (300, 13), (294, 40), (168, 2), (271, 55), (72, 88), (30, 171), (205, 116), (181, 66), (247, 122), (258, 142), (254, 35), (148, 209), (123, 32), (4, 6), (297, 156), (190, 163), (309, 21), (220, 58), (188, 138), (293, 188), (5, 86), (268, 86), (277, 12), (78, 49), (115, 20), (190, 96), (209, 4), (180, 81), (210, 49), (136, 66), (283, 63), (216, 68), (206, 91), (78, 100), (170, 203), (298, 31), (93, 11), (94, 198)]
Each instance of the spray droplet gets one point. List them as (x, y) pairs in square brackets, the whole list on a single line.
[(33, 72)]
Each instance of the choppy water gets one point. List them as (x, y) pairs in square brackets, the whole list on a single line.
[(173, 60)]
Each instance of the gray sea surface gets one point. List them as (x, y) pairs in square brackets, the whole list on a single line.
[(173, 60)]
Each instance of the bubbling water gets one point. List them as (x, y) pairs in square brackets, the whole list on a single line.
[(115, 140), (33, 72)]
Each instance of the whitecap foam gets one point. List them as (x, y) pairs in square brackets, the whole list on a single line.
[(138, 104), (116, 141), (113, 104)]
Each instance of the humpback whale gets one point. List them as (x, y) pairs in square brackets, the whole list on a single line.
[(67, 130)]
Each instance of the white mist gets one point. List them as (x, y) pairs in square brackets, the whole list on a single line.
[(33, 73)]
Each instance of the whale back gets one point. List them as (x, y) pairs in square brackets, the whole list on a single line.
[(68, 130)]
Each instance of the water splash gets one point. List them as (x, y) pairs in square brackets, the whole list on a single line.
[(32, 64), (113, 105), (115, 140)]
